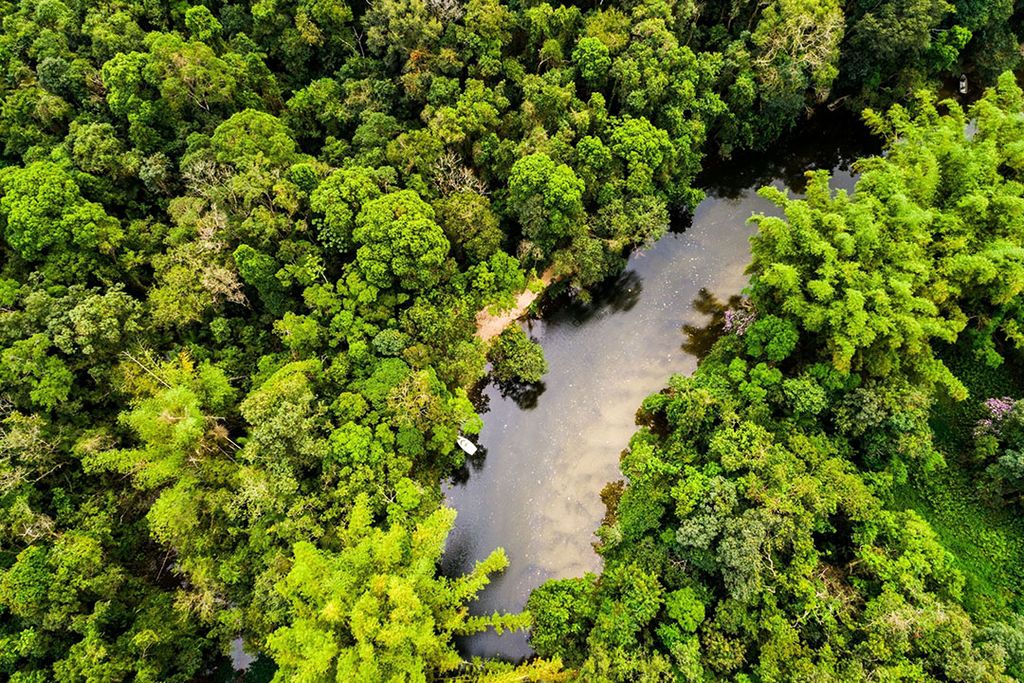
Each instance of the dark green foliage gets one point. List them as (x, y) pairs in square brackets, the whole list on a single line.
[(243, 248), (260, 272), (771, 338), (563, 614), (1000, 444), (470, 225), (516, 358)]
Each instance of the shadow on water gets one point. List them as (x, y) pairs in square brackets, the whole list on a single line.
[(680, 222), (524, 394), (700, 338), (829, 140), (480, 398), (473, 464), (617, 294)]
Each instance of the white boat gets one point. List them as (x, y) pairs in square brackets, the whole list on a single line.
[(466, 445)]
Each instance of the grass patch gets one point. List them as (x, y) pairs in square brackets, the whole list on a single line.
[(987, 541)]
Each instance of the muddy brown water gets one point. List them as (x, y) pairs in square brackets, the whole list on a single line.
[(548, 450)]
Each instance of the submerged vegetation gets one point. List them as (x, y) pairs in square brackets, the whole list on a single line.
[(244, 246)]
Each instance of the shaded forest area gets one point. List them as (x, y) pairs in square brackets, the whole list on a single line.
[(243, 250)]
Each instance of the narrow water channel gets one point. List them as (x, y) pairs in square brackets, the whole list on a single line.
[(547, 451)]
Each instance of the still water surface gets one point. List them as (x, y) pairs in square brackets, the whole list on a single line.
[(547, 451)]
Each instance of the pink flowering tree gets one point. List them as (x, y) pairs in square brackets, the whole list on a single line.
[(999, 444)]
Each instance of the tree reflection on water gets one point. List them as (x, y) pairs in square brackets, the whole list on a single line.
[(524, 394), (700, 339)]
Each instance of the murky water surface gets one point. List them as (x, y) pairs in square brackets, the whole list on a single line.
[(547, 451)]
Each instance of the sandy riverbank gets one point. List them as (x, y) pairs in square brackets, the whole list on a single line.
[(489, 325)]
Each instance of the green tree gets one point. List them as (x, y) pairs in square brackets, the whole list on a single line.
[(376, 609), (592, 58), (516, 358), (470, 225), (548, 198), (855, 277), (48, 220), (340, 198), (400, 245)]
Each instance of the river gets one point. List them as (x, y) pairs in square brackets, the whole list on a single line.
[(547, 451)]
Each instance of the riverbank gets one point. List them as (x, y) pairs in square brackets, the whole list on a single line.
[(490, 325), (549, 449)]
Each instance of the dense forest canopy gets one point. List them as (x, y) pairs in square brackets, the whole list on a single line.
[(243, 248), (755, 539)]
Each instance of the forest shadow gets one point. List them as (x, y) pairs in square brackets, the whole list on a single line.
[(479, 397)]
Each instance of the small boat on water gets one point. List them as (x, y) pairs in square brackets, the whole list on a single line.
[(466, 445)]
